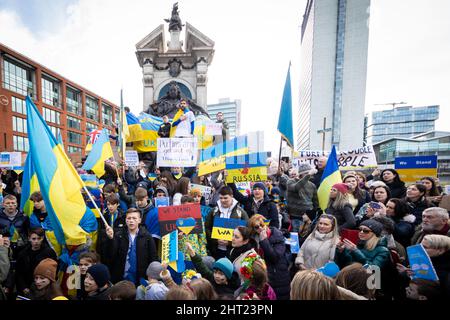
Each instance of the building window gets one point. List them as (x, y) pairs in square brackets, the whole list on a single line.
[(73, 101), (73, 123), (19, 105), (74, 137), (91, 109), (20, 144), (106, 115), (51, 116), (72, 149), (117, 114), (90, 126), (17, 78), (19, 124), (51, 92), (56, 131)]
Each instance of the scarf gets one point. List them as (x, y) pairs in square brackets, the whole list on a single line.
[(256, 204), (131, 264), (236, 252)]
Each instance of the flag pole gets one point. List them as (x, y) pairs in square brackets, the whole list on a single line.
[(92, 200), (279, 155)]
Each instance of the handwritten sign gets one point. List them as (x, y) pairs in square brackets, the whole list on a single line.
[(213, 129), (131, 158), (168, 217), (205, 190), (177, 152), (169, 247), (355, 159), (223, 228)]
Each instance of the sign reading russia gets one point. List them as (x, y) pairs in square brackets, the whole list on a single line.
[(168, 217), (247, 168), (412, 169)]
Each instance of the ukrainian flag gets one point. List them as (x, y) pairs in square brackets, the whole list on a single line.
[(204, 141), (135, 130), (30, 185), (149, 126), (331, 175), (285, 117), (176, 117), (101, 151), (247, 167), (60, 184)]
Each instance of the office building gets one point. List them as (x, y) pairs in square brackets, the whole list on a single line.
[(67, 107), (404, 121), (231, 112), (333, 68)]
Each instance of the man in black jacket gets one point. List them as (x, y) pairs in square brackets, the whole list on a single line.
[(164, 129), (132, 248)]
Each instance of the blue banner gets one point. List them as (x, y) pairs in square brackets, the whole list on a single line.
[(419, 162)]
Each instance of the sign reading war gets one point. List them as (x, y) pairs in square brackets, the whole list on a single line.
[(168, 217)]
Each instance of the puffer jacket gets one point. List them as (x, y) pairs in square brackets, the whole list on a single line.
[(317, 250), (379, 256), (301, 196)]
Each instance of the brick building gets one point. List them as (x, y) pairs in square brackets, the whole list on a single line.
[(67, 108)]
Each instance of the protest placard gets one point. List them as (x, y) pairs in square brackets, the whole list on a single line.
[(412, 169), (420, 263), (131, 158), (247, 168), (169, 247), (355, 159), (168, 216), (162, 202), (10, 159), (223, 228), (205, 190), (213, 129), (177, 152)]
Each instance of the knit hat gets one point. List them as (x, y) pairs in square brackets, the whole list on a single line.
[(341, 187), (304, 168), (153, 270), (259, 185), (46, 268), (224, 265), (156, 291), (100, 273), (373, 225), (208, 261)]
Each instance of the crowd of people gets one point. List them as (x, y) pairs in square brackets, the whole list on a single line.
[(369, 221)]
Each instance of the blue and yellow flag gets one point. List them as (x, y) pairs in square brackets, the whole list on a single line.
[(30, 185), (101, 151), (135, 131), (223, 228), (149, 126), (331, 175), (248, 167), (60, 184), (204, 141), (285, 117)]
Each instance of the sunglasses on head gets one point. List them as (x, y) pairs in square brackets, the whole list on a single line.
[(364, 230)]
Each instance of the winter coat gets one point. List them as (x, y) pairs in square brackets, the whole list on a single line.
[(398, 189), (237, 255), (117, 250), (267, 293), (101, 294), (362, 201), (236, 213), (273, 251), (418, 236), (317, 250), (404, 230), (442, 266), (27, 261), (317, 177), (21, 223), (164, 130), (4, 269), (267, 208), (379, 256), (282, 184), (416, 208), (301, 196), (345, 218)]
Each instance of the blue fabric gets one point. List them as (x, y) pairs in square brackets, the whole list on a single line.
[(152, 223), (285, 118), (130, 274), (35, 223)]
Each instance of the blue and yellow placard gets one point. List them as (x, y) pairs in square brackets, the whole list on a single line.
[(247, 168), (223, 228), (169, 247), (412, 169)]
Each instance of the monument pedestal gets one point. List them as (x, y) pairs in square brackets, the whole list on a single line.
[(175, 44)]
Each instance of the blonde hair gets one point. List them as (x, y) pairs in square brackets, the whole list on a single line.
[(372, 243), (438, 241), (339, 202), (334, 223), (313, 285), (256, 219)]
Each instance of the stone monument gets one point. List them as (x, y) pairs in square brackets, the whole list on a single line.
[(178, 70)]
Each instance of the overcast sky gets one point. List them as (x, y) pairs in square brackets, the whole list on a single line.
[(92, 42)]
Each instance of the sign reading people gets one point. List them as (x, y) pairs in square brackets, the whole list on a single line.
[(412, 169), (247, 168), (177, 152), (355, 159), (168, 217)]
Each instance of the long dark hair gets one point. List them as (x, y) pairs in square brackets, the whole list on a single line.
[(396, 177), (388, 191), (183, 186), (433, 191), (401, 208), (171, 183), (421, 188)]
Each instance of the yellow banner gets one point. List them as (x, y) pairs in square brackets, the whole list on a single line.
[(218, 163), (414, 175), (148, 143), (247, 175)]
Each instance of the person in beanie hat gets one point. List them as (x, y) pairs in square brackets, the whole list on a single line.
[(153, 279), (45, 286), (258, 202), (340, 208), (222, 276), (97, 282)]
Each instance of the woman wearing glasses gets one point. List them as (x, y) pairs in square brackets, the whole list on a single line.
[(271, 247), (371, 248), (320, 246)]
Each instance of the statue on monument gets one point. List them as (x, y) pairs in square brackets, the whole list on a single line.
[(175, 20), (168, 104)]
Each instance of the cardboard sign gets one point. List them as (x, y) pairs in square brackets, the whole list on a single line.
[(247, 168), (420, 263), (177, 152), (169, 247), (131, 158), (213, 129), (205, 190), (247, 175), (10, 159), (412, 169), (185, 225), (355, 159), (223, 228), (243, 187), (162, 202), (168, 216)]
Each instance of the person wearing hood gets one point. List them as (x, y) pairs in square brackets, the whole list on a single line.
[(258, 203), (227, 207)]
